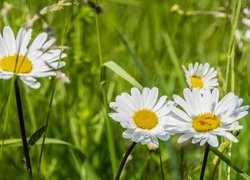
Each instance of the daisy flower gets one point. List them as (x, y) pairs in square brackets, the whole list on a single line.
[(201, 76), (28, 60), (203, 116), (143, 115)]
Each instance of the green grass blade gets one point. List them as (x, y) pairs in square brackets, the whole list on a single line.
[(136, 60), (17, 142), (174, 59), (229, 163), (121, 72)]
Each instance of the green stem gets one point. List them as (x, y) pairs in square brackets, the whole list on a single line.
[(182, 164), (124, 159), (162, 172), (204, 162), (231, 59), (216, 160), (22, 128), (46, 125), (105, 100)]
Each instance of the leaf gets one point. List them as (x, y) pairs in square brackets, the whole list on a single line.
[(121, 72), (174, 58), (228, 162), (37, 135), (136, 60), (18, 143)]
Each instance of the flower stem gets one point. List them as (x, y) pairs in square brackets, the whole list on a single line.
[(124, 159), (109, 134), (162, 172), (22, 128), (204, 162), (46, 125)]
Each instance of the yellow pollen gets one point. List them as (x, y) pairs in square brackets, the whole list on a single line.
[(196, 82), (16, 64), (205, 122), (145, 119)]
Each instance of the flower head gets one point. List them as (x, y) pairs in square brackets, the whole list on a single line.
[(143, 115), (201, 76), (203, 116), (28, 62)]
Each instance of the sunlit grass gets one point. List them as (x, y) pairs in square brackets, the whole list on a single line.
[(143, 43)]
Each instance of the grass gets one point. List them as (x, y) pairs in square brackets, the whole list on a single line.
[(149, 40)]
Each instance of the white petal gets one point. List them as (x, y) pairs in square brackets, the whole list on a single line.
[(9, 40), (188, 95), (38, 42), (152, 98), (25, 42), (224, 102), (160, 103), (31, 82), (196, 140), (213, 140), (136, 98), (154, 141), (164, 136), (127, 133), (181, 102), (19, 38), (48, 43), (5, 76), (181, 114), (184, 138), (3, 49), (226, 135)]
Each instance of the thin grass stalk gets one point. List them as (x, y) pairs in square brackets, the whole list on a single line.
[(229, 163), (124, 159), (231, 59), (161, 164), (7, 105), (105, 101), (46, 125), (182, 163), (203, 168), (217, 160), (22, 128)]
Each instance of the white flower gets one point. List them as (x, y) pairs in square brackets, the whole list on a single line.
[(203, 116), (201, 76), (28, 61), (143, 115)]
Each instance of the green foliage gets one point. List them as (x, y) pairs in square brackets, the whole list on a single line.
[(147, 41)]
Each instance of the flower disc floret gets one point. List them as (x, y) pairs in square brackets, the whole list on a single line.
[(205, 122), (16, 64), (145, 119), (196, 82)]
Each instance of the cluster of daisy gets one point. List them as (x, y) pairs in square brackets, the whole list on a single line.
[(199, 116)]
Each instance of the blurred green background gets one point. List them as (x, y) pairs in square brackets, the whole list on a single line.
[(150, 40)]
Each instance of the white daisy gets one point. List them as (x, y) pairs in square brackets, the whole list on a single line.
[(203, 116), (28, 62), (201, 76), (143, 115)]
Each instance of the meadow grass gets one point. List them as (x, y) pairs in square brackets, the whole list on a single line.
[(130, 43)]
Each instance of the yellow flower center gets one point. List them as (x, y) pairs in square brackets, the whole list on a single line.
[(16, 64), (205, 122), (196, 82), (145, 119)]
